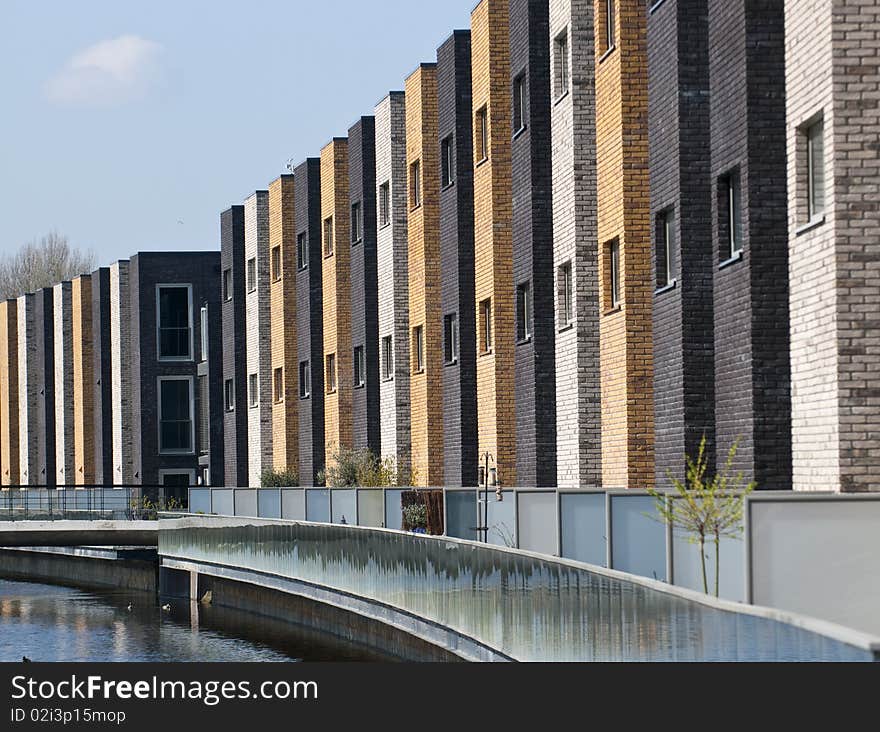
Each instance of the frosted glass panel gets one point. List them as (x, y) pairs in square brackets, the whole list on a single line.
[(199, 500), (343, 504), (246, 503), (371, 507), (502, 519), (461, 514), (538, 522), (269, 503), (583, 527), (638, 541), (293, 504), (686, 571), (223, 502), (318, 505), (393, 515)]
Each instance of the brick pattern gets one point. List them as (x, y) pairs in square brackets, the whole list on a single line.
[(44, 384), (457, 260), (393, 278), (364, 287), (121, 387), (747, 117), (282, 324), (83, 384), (28, 389), (573, 135), (532, 227), (678, 64), (423, 264), (63, 321), (623, 216), (335, 271), (493, 204), (309, 318), (259, 419), (9, 414), (102, 427)]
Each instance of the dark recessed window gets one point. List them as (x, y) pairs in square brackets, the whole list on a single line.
[(486, 325), (450, 338), (523, 312), (566, 295), (357, 223), (227, 284), (418, 349), (253, 390), (252, 274), (175, 415), (360, 376), (815, 171), (446, 161), (328, 236), (302, 251), (278, 385), (387, 358), (330, 373), (229, 395), (665, 248), (385, 204), (305, 379), (560, 64), (203, 332), (519, 104), (613, 274), (481, 134), (276, 263), (415, 184), (606, 22), (730, 215), (175, 323)]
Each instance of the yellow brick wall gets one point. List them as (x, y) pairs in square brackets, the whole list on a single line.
[(337, 299), (490, 59), (624, 214), (282, 325), (426, 388), (9, 455), (83, 383)]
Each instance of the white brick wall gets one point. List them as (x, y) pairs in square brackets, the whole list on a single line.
[(64, 384), (120, 354), (394, 395), (28, 394)]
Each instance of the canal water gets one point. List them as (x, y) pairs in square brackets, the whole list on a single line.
[(55, 623)]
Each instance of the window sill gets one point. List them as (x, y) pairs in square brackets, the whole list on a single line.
[(415, 208), (524, 341), (384, 226), (327, 256), (486, 353), (453, 362), (252, 290), (418, 371), (608, 52), (561, 97), (449, 185), (612, 311), (387, 379), (331, 391), (656, 6), (177, 453), (357, 241), (276, 279), (174, 359), (482, 162), (229, 411), (302, 269), (305, 397), (519, 132), (810, 225), (667, 287), (359, 386), (566, 327), (732, 260), (228, 299), (253, 406)]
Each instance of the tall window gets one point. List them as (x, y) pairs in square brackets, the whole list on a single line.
[(730, 219), (175, 415), (614, 273), (566, 295), (415, 184), (481, 134), (328, 236), (519, 103), (360, 367), (387, 358), (560, 64), (204, 427), (175, 322), (665, 249), (357, 223), (450, 338), (815, 171), (227, 284), (523, 312), (385, 204), (486, 325), (305, 379), (276, 263), (330, 377), (302, 250), (606, 18), (446, 161), (252, 274), (253, 390), (229, 395), (418, 349), (278, 385), (203, 323)]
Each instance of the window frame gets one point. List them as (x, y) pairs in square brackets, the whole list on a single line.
[(229, 395), (524, 329), (730, 197), (418, 349), (227, 284), (814, 132), (275, 261), (359, 367), (189, 290), (565, 289), (485, 326), (415, 184), (614, 292), (447, 161), (253, 390), (203, 333), (278, 385), (608, 36), (330, 373), (387, 345), (481, 134), (327, 234), (450, 339), (664, 233), (250, 280), (357, 223), (302, 250), (192, 409), (385, 204), (561, 65), (305, 379), (518, 99)]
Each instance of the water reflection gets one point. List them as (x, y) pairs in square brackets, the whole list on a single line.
[(51, 623)]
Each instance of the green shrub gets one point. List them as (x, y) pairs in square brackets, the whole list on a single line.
[(287, 478), (415, 516), (362, 468)]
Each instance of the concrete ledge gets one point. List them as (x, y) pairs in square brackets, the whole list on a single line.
[(78, 533)]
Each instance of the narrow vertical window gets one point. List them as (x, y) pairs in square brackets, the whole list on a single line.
[(359, 367), (481, 132), (305, 379), (229, 395), (523, 312), (227, 285), (560, 64), (328, 236), (815, 172), (446, 161), (276, 263), (730, 215), (385, 204), (665, 254), (278, 385), (302, 251), (415, 184), (253, 390), (418, 352), (608, 24), (387, 358), (330, 377), (252, 274), (357, 223), (175, 415), (174, 322), (203, 327), (614, 274), (566, 304), (486, 326), (450, 338), (519, 104)]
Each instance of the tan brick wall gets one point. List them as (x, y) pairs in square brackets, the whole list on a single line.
[(493, 206), (624, 214), (9, 449), (83, 383), (426, 387), (282, 325), (337, 301)]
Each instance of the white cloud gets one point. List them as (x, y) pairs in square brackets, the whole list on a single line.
[(109, 72)]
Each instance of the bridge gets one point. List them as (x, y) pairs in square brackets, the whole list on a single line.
[(70, 533)]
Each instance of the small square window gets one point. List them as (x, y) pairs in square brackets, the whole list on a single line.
[(330, 376), (566, 295), (305, 379), (229, 395), (519, 104), (523, 312), (450, 338), (360, 376), (446, 161), (486, 326), (252, 274), (560, 65), (276, 263), (418, 350), (302, 250), (665, 255), (385, 204), (227, 285), (387, 358), (481, 135), (253, 390), (415, 184), (328, 237), (357, 223), (278, 385)]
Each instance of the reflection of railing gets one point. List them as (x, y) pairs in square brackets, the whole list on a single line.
[(525, 606), (87, 503)]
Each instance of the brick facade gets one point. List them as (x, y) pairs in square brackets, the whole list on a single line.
[(44, 385), (9, 414), (28, 389), (63, 325), (120, 357), (83, 382), (102, 412)]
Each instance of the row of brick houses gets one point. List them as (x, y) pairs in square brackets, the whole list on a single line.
[(585, 236)]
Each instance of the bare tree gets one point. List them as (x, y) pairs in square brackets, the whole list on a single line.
[(42, 263)]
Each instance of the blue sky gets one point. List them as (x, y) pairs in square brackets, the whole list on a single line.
[(129, 126)]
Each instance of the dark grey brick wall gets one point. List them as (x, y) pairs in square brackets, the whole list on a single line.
[(532, 183), (45, 368), (309, 319), (103, 386)]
